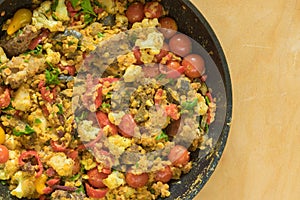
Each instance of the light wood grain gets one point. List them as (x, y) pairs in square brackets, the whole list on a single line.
[(261, 40)]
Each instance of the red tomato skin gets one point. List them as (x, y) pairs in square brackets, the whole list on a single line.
[(127, 126), (95, 193), (168, 27), (4, 97), (164, 175), (153, 10), (135, 12), (194, 65), (136, 181), (180, 44), (4, 154), (104, 121), (96, 177), (179, 156)]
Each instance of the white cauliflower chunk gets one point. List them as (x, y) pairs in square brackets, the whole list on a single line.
[(116, 118), (154, 41), (22, 99), (61, 164), (25, 186), (117, 144), (133, 73), (114, 180), (3, 58), (87, 131)]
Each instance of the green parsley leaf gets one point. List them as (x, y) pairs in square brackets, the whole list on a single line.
[(100, 35), (189, 105), (75, 177), (37, 121), (52, 76), (74, 3), (105, 105), (80, 189), (60, 107), (162, 136), (27, 131), (87, 7)]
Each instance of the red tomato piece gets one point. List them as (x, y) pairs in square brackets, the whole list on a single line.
[(57, 147), (36, 41), (135, 12), (98, 100), (168, 27), (137, 54), (172, 111), (180, 44), (4, 97), (103, 121), (53, 181), (4, 154), (179, 156), (95, 193), (164, 175), (194, 65), (96, 177), (28, 154), (163, 52), (153, 10), (135, 180), (127, 126)]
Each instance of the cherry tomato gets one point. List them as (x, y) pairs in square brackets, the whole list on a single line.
[(163, 52), (96, 177), (33, 44), (179, 156), (135, 180), (4, 97), (135, 12), (164, 175), (169, 27), (4, 154), (173, 64), (153, 10), (95, 193), (127, 126), (173, 128), (194, 65), (180, 44)]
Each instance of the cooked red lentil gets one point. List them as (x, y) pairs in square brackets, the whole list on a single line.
[(98, 102)]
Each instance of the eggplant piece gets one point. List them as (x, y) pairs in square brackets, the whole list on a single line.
[(109, 20)]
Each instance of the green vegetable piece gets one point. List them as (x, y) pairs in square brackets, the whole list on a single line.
[(27, 131), (74, 3), (60, 107), (37, 121), (87, 7), (189, 105), (80, 189), (52, 76), (100, 35), (162, 136)]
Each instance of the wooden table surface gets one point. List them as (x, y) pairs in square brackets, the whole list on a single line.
[(261, 40)]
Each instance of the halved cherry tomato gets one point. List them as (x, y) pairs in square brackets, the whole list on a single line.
[(95, 193), (47, 94), (96, 177), (135, 180), (179, 156), (127, 126), (194, 65), (72, 12), (168, 27), (135, 12), (180, 44), (4, 154), (4, 97), (153, 10), (164, 175), (104, 121)]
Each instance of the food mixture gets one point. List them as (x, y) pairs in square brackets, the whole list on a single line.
[(99, 99)]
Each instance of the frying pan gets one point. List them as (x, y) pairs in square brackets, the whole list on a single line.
[(192, 23)]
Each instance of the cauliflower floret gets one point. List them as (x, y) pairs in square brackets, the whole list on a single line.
[(61, 164), (114, 180), (116, 118), (42, 18), (154, 41), (87, 131), (117, 144), (25, 186), (22, 99), (52, 56), (3, 58), (61, 11), (133, 73), (201, 106), (8, 169)]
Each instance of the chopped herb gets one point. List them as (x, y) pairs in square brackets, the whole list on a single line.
[(98, 4), (38, 50), (105, 105), (74, 3), (137, 164), (8, 116), (52, 76), (80, 189), (189, 105), (100, 35), (82, 116), (160, 76), (25, 60), (9, 107), (54, 5), (162, 136), (60, 107), (54, 16), (87, 7), (108, 95), (75, 177), (3, 182), (27, 131), (37, 121), (207, 100)]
